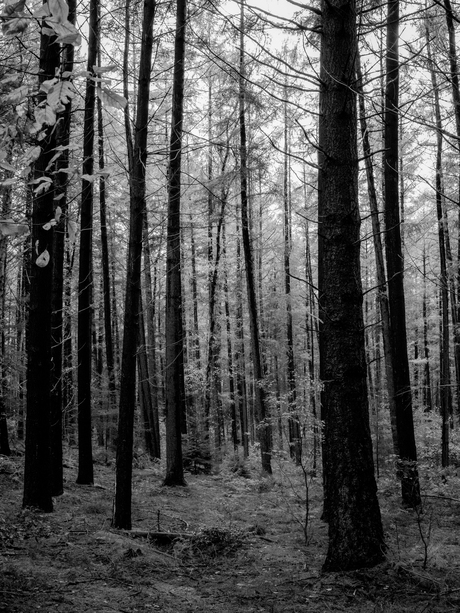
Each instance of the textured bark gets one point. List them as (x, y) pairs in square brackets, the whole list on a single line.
[(382, 293), (57, 324), (407, 463), (174, 368), (106, 290), (85, 270), (149, 288), (37, 468), (138, 162), (261, 409), (443, 242), (352, 509), (295, 437)]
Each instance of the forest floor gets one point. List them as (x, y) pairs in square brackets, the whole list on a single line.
[(242, 549)]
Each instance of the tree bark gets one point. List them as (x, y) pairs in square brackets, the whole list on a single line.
[(352, 509), (261, 409), (123, 491), (174, 368), (37, 467), (85, 271), (407, 463), (382, 291)]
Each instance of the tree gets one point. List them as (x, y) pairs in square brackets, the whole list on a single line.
[(264, 428), (407, 463), (174, 369), (85, 271), (352, 509), (131, 337), (37, 467)]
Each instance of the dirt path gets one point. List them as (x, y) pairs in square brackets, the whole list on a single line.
[(243, 550)]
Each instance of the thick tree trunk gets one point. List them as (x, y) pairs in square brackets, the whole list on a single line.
[(407, 463), (37, 467), (352, 509), (174, 368)]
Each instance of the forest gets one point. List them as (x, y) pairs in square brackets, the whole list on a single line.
[(230, 305)]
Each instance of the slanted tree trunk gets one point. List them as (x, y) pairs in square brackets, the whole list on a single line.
[(37, 467), (261, 409), (382, 293), (174, 367), (85, 270), (352, 509), (407, 463), (123, 491)]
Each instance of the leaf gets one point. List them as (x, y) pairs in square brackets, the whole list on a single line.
[(59, 10), (67, 33), (44, 116), (103, 69), (17, 95), (40, 180), (7, 166), (43, 259), (48, 84), (14, 26), (57, 213), (9, 228), (110, 98), (31, 155), (89, 178), (8, 182), (10, 78), (61, 93), (14, 9)]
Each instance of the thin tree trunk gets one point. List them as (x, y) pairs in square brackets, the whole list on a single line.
[(295, 437), (263, 424), (107, 303), (240, 356), (123, 492), (444, 370), (454, 80), (151, 336), (85, 274), (382, 293), (407, 464), (230, 357), (427, 391)]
